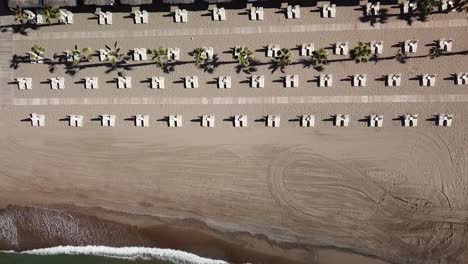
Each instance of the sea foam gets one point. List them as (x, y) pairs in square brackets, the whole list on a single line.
[(172, 255)]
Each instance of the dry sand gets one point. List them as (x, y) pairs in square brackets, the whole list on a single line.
[(399, 194)]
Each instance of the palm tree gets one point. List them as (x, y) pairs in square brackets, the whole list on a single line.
[(320, 57), (245, 56), (401, 56), (361, 53), (285, 58), (36, 52), (78, 55), (50, 12), (159, 56), (463, 6), (20, 14), (200, 55), (436, 52), (114, 55), (427, 6)]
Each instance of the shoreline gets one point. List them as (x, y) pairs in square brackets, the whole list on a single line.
[(147, 231)]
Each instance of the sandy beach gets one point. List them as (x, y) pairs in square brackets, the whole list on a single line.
[(256, 194)]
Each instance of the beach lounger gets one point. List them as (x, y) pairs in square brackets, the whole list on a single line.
[(57, 83), (273, 121), (240, 121), (307, 121), (108, 18), (408, 7), (137, 16), (236, 53), (91, 83), (139, 54), (257, 81), (157, 82), (291, 81), (173, 53), (191, 82), (325, 80), (410, 46), (140, 17), (393, 80), (24, 83), (445, 44), (105, 18), (142, 120), (447, 6), (341, 48), (410, 120), (37, 120), (175, 121), (224, 82), (341, 120), (219, 14), (428, 80), (70, 19), (329, 11), (359, 80), (101, 18), (103, 54), (444, 120), (124, 82), (75, 120), (461, 78), (293, 12), (180, 16), (144, 18), (66, 17), (377, 47), (273, 51), (256, 13), (108, 120), (375, 121), (69, 57), (373, 9), (307, 49), (36, 58), (208, 121), (209, 52), (31, 17), (39, 19)]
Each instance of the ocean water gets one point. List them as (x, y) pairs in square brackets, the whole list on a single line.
[(14, 258), (103, 255)]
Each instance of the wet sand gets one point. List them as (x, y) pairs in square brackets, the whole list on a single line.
[(68, 225)]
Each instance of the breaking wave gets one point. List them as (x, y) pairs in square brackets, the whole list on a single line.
[(175, 256)]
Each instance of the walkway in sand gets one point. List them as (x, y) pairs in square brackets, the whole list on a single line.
[(427, 98), (219, 31)]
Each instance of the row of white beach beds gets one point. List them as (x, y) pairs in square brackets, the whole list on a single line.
[(255, 12), (339, 120), (272, 51), (306, 49), (225, 82)]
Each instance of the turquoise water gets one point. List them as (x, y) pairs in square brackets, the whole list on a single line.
[(12, 258)]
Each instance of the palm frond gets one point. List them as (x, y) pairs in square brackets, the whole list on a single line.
[(361, 53), (245, 56)]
